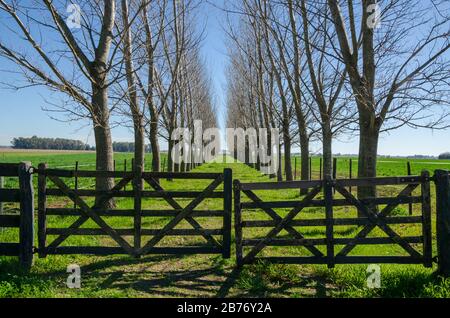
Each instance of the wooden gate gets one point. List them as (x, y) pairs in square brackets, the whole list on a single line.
[(332, 249), (146, 190)]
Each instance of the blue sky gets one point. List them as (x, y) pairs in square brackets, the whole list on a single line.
[(22, 114)]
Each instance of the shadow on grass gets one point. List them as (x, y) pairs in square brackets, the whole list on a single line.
[(177, 276)]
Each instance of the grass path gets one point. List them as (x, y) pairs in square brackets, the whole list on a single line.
[(210, 276)]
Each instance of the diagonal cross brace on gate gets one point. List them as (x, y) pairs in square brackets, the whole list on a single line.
[(377, 219), (182, 215), (92, 214), (281, 225), (84, 218), (155, 185)]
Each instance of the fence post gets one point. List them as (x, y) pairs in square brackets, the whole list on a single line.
[(26, 215), (408, 170), (310, 168), (350, 173), (295, 168), (137, 188), (442, 180), (227, 207), (2, 185), (76, 183), (328, 196), (320, 168), (42, 207), (238, 221), (426, 216)]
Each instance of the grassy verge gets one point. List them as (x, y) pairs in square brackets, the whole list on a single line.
[(210, 275)]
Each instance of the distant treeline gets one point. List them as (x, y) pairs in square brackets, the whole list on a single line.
[(49, 143), (66, 144), (127, 147), (445, 155)]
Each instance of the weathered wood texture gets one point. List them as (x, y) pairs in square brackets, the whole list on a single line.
[(249, 250), (176, 212), (25, 220), (442, 180)]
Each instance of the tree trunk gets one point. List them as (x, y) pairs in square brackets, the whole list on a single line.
[(280, 165), (327, 151), (139, 145), (304, 149), (367, 161), (103, 142), (287, 158), (154, 144)]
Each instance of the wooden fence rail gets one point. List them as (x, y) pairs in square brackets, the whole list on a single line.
[(24, 221), (289, 222)]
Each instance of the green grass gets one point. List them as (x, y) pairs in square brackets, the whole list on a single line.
[(210, 275)]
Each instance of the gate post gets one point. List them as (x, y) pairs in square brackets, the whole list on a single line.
[(442, 180), (42, 210), (26, 215), (238, 221), (227, 202), (137, 188)]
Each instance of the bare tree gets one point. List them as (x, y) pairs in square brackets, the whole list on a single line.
[(89, 51), (398, 72)]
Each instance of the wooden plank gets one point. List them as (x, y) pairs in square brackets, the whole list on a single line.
[(227, 211), (42, 209), (130, 194), (26, 235), (132, 232), (86, 174), (137, 220), (9, 249), (336, 202), (379, 181), (426, 225), (335, 241), (9, 220), (238, 222), (280, 185), (410, 207), (9, 195), (344, 260), (181, 175), (105, 251), (336, 221), (328, 195), (2, 185), (9, 169), (442, 179), (130, 213)]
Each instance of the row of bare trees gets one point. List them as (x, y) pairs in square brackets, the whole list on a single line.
[(317, 69), (135, 63)]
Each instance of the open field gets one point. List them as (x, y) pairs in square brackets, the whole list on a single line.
[(211, 276)]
